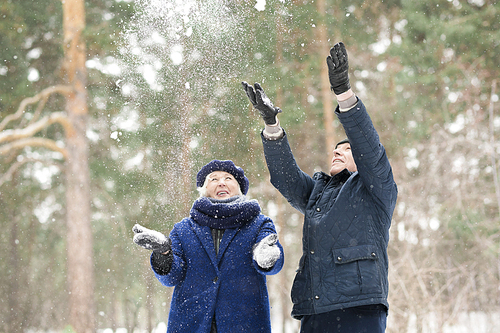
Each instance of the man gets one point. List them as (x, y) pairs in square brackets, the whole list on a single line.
[(217, 258), (341, 284)]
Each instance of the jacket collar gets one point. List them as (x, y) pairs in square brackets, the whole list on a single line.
[(205, 236), (342, 176)]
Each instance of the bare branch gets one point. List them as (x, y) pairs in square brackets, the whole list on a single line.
[(7, 176), (39, 142), (420, 280), (16, 134), (39, 109), (62, 89)]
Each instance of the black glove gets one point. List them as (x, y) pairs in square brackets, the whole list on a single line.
[(151, 240), (161, 263), (338, 67), (261, 102)]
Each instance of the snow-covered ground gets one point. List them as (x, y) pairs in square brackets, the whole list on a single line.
[(463, 322)]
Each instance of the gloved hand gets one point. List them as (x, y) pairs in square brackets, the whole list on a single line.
[(262, 103), (266, 252), (338, 67), (151, 240)]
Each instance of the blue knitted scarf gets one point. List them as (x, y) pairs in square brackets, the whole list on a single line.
[(224, 214)]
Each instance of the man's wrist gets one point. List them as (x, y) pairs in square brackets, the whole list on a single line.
[(345, 104), (345, 95), (273, 132)]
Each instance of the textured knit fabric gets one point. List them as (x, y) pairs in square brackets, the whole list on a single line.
[(228, 286), (346, 222), (227, 166), (224, 214)]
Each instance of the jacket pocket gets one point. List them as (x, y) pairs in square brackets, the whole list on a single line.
[(299, 291), (356, 270)]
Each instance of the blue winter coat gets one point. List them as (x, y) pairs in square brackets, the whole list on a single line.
[(346, 221), (230, 286)]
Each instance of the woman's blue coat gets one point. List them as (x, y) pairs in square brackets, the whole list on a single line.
[(346, 221), (229, 285)]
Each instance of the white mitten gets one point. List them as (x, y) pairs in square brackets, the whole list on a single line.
[(151, 239), (266, 252)]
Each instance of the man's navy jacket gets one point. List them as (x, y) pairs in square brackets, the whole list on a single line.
[(346, 221)]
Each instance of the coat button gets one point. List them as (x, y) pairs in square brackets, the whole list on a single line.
[(374, 254), (216, 279), (312, 251), (316, 297), (339, 258), (318, 209)]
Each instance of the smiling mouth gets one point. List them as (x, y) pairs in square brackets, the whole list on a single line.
[(221, 193)]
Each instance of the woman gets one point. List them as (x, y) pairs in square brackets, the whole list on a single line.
[(217, 258)]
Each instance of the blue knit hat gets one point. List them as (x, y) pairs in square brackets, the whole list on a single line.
[(227, 166)]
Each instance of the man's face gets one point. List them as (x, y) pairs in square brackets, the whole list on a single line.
[(342, 159), (222, 185)]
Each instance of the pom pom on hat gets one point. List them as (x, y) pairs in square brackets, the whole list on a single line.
[(227, 166)]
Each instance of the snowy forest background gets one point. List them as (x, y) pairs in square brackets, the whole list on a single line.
[(109, 108)]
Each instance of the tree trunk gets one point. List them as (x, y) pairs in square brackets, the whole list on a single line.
[(14, 319), (185, 157), (79, 232), (326, 93)]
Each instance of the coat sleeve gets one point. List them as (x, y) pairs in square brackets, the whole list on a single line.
[(267, 228), (369, 154), (178, 268), (286, 176)]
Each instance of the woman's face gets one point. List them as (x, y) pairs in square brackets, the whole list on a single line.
[(222, 185)]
